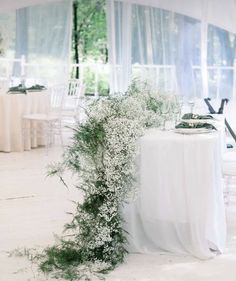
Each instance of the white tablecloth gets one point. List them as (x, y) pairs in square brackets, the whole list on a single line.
[(180, 204), (12, 108)]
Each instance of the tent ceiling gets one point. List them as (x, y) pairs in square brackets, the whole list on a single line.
[(16, 4), (218, 12)]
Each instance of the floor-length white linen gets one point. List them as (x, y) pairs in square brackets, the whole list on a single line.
[(12, 108), (180, 204)]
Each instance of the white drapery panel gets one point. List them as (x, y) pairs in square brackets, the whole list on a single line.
[(42, 34), (177, 52), (120, 38)]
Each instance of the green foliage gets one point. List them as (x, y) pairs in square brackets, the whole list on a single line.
[(103, 88), (89, 43), (91, 29), (102, 155), (90, 80), (60, 257)]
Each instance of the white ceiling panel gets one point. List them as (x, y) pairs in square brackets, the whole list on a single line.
[(221, 13), (8, 5)]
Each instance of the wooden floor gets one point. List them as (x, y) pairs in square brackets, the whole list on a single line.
[(33, 208)]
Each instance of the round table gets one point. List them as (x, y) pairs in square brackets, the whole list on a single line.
[(12, 108)]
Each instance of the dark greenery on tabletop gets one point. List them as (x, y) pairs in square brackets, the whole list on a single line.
[(36, 87), (196, 116), (188, 125), (102, 155), (22, 89)]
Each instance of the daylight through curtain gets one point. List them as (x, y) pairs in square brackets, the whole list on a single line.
[(175, 52), (42, 34)]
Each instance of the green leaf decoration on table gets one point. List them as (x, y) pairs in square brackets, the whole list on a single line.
[(196, 116), (36, 87), (186, 125), (20, 89)]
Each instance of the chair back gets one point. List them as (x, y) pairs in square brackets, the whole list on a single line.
[(74, 97), (57, 97), (75, 87)]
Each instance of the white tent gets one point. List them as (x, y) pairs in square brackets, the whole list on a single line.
[(217, 12), (189, 42)]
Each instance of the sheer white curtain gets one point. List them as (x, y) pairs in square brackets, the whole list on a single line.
[(120, 38), (210, 10), (42, 34), (179, 52)]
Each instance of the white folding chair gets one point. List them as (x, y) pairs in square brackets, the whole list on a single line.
[(48, 124), (71, 109)]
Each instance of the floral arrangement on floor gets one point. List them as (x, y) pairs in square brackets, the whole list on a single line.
[(103, 156)]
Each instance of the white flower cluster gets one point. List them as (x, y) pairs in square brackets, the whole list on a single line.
[(100, 110), (102, 235), (107, 211), (133, 108), (120, 151)]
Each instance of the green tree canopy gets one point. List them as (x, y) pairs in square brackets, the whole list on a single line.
[(89, 32)]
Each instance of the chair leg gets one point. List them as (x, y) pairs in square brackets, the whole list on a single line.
[(48, 134), (60, 135), (227, 191), (29, 134), (25, 132)]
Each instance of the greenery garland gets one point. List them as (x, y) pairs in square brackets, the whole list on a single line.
[(103, 156)]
